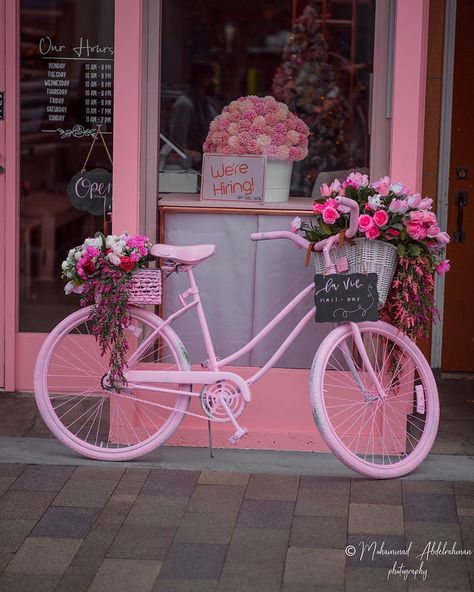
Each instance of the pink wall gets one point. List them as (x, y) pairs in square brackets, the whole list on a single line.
[(127, 116), (409, 82)]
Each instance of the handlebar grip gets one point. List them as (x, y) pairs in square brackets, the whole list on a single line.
[(354, 216), (256, 236)]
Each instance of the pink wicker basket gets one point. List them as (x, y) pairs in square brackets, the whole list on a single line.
[(146, 287)]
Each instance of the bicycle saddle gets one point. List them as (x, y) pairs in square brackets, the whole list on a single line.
[(189, 255)]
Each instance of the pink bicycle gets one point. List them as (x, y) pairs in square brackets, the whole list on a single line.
[(373, 394)]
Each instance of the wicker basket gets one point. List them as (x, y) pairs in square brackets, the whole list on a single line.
[(146, 287), (366, 256)]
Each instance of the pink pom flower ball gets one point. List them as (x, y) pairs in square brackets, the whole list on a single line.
[(258, 125)]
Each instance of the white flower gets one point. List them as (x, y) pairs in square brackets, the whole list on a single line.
[(295, 224), (375, 201), (64, 265), (113, 258), (68, 288), (77, 255), (110, 240)]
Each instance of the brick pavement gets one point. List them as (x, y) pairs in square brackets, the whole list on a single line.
[(101, 529)]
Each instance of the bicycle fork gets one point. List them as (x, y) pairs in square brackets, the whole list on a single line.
[(366, 363)]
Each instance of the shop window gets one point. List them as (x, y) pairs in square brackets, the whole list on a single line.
[(66, 88), (316, 56)]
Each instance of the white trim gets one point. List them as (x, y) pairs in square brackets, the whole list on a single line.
[(444, 164)]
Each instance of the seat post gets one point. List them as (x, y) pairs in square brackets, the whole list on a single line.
[(203, 322)]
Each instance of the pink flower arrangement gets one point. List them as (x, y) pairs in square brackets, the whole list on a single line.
[(258, 125), (390, 212), (101, 271)]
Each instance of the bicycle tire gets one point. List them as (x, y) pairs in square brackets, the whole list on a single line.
[(117, 426), (340, 407)]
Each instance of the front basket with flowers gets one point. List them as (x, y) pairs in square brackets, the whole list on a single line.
[(390, 213), (109, 272)]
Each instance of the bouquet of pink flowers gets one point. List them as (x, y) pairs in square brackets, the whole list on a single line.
[(101, 271), (389, 212), (258, 125)]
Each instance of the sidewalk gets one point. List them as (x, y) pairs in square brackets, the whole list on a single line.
[(273, 522)]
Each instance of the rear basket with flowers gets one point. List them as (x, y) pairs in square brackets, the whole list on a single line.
[(398, 238), (110, 272)]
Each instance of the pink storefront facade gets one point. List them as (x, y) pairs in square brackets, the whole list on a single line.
[(397, 122)]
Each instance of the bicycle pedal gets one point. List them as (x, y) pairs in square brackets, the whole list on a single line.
[(239, 434)]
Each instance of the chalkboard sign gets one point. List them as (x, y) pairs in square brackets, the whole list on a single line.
[(341, 298), (91, 191)]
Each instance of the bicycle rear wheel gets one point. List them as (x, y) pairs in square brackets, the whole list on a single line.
[(98, 423), (380, 438)]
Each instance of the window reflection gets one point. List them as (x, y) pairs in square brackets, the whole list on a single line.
[(315, 56), (66, 88)]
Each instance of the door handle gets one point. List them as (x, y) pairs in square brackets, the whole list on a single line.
[(2, 170), (460, 199)]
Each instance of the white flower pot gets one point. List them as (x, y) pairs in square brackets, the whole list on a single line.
[(277, 180)]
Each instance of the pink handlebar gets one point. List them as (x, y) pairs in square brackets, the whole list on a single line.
[(302, 242)]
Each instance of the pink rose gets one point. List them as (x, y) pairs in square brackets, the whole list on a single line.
[(443, 238), (416, 216), (429, 218), (414, 200), (372, 233), (392, 233), (324, 190), (365, 222), (425, 204), (416, 230), (382, 186), (443, 267), (330, 215), (433, 231), (398, 206), (318, 208), (380, 217)]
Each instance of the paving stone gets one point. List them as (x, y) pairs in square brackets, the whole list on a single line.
[(128, 488), (77, 579), (376, 519), (372, 579), (107, 473), (265, 514), (66, 523), (307, 566), (221, 499), (449, 572), (375, 550), (43, 478), (325, 483), (11, 469), (44, 556), (85, 493), (139, 475), (381, 491), (272, 487), (194, 561), (173, 483), (125, 575), (409, 486), (258, 545), (5, 483), (204, 528), (94, 548), (242, 577), (169, 585), (431, 507), (5, 559), (13, 533), (223, 478), (157, 510), (18, 582), (464, 488), (24, 505), (467, 531), (318, 531), (314, 502), (141, 542), (422, 533), (294, 587)]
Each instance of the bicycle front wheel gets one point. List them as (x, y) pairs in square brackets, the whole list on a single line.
[(71, 393), (380, 437)]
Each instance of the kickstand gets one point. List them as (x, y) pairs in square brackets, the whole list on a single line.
[(209, 433)]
